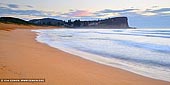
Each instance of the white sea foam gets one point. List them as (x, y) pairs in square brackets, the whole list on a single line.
[(142, 51)]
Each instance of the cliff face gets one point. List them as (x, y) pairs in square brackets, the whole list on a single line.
[(118, 22)]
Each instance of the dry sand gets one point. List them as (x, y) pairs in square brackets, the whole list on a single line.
[(8, 27), (22, 57)]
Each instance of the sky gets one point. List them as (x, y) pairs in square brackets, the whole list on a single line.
[(140, 13)]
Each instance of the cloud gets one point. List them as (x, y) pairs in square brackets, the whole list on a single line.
[(9, 11), (100, 14), (135, 12), (23, 10), (116, 11), (161, 10), (154, 6), (29, 6), (158, 10), (131, 12), (78, 13), (13, 6), (29, 13)]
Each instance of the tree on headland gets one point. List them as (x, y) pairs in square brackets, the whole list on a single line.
[(69, 22), (77, 23)]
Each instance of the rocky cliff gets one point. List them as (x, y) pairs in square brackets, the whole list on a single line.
[(118, 22)]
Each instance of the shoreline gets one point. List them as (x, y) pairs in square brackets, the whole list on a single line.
[(135, 68), (23, 57)]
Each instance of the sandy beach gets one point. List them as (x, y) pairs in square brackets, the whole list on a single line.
[(22, 57), (10, 26)]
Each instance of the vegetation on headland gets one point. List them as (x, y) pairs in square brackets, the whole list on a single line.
[(117, 22), (10, 23), (12, 20)]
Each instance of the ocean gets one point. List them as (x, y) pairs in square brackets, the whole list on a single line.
[(142, 51)]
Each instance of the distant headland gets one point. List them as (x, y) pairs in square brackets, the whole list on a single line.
[(116, 22)]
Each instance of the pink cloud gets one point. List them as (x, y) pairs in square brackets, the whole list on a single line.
[(80, 13)]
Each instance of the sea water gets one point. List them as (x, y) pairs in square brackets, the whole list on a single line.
[(142, 51)]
